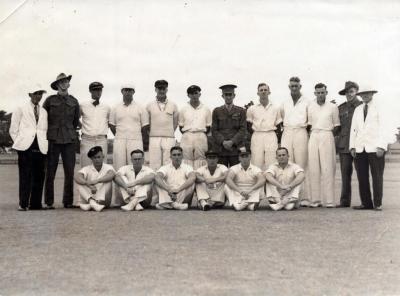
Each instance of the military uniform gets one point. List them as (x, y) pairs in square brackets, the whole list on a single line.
[(346, 111), (228, 125)]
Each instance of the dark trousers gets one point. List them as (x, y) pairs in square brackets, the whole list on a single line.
[(346, 168), (364, 162), (228, 160), (67, 152), (31, 168)]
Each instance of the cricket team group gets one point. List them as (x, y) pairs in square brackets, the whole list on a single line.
[(231, 156)]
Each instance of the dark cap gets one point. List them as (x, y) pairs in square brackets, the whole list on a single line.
[(161, 83), (93, 151), (228, 87), (244, 151), (193, 88), (95, 85), (347, 86), (211, 153)]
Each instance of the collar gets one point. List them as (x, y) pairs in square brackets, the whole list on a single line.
[(94, 169), (159, 102), (198, 107), (33, 105), (249, 168), (266, 107), (354, 101)]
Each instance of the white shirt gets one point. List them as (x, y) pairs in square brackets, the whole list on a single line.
[(367, 134), (129, 172), (264, 119), (284, 175), (175, 177), (219, 171), (323, 117), (90, 173), (295, 116), (245, 178), (194, 119), (129, 120), (94, 118)]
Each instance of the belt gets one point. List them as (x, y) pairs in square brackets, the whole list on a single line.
[(94, 137), (271, 131), (294, 127)]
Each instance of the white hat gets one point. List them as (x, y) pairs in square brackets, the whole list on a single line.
[(128, 86), (366, 89), (35, 87)]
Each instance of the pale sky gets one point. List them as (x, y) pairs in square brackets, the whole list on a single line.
[(207, 43)]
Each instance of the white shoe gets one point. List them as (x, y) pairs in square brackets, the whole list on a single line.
[(95, 206), (139, 207), (165, 206), (330, 205), (130, 206), (304, 203), (85, 207), (289, 206), (180, 206), (251, 207), (315, 204), (276, 207), (240, 206)]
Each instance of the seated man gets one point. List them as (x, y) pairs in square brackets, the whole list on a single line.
[(244, 183), (210, 181), (175, 183), (135, 182), (95, 182), (284, 181)]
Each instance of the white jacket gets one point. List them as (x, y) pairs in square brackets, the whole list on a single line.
[(24, 128), (368, 134)]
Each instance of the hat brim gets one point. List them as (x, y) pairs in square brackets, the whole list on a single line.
[(366, 91), (343, 92), (39, 90), (54, 83)]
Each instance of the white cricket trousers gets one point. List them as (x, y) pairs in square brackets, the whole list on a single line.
[(194, 146), (263, 149), (159, 151), (88, 142), (185, 196), (235, 197), (292, 195), (142, 192), (103, 193), (204, 192), (322, 166)]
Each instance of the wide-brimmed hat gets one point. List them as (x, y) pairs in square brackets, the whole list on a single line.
[(367, 89), (36, 87), (60, 77), (347, 86)]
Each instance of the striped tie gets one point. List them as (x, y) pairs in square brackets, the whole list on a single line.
[(36, 112)]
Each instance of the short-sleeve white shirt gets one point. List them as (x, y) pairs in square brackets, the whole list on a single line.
[(323, 117), (175, 177), (245, 178), (264, 119), (284, 175), (129, 172), (94, 118), (295, 115), (194, 119), (90, 173)]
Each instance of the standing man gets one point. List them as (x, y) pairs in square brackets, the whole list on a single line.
[(265, 121), (63, 122), (244, 183), (295, 135), (95, 182), (368, 146), (163, 116), (127, 122), (194, 123), (135, 182), (94, 119), (28, 131), (210, 183), (228, 127), (323, 118), (346, 111), (175, 183), (284, 180)]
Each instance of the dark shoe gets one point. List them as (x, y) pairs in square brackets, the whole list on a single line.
[(48, 207), (22, 209), (361, 207), (35, 208), (206, 207), (378, 208), (343, 206), (70, 206)]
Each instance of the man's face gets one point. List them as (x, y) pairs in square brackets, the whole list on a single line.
[(194, 97), (36, 97), (137, 160), (96, 93), (245, 159), (282, 156), (294, 87), (321, 93), (228, 97), (127, 94), (212, 160), (263, 92), (97, 159), (367, 97), (351, 93), (63, 84), (161, 91), (176, 157)]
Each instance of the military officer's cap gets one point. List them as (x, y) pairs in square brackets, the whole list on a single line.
[(228, 87), (161, 83), (93, 151), (347, 86), (95, 85), (193, 89)]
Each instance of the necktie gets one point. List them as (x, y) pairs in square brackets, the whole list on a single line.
[(36, 112), (365, 111), (95, 103)]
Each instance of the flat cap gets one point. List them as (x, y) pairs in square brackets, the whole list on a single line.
[(93, 151), (211, 152), (244, 150), (193, 88), (95, 85), (161, 83)]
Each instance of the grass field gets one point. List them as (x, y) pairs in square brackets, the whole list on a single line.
[(221, 252)]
